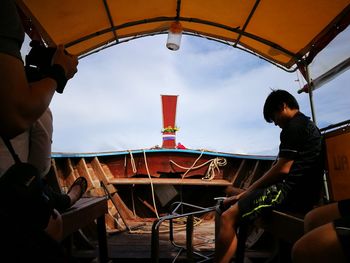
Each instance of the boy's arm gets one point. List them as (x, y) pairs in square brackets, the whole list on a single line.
[(273, 175)]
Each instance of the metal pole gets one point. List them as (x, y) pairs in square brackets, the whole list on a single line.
[(308, 80), (155, 242), (189, 238), (310, 91)]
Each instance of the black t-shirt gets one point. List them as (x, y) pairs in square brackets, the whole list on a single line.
[(301, 141)]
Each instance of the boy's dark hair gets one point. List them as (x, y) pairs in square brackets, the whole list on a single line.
[(274, 103)]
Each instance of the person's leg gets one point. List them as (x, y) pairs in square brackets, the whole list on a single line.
[(55, 227), (61, 201), (226, 242), (248, 208), (320, 216), (319, 245)]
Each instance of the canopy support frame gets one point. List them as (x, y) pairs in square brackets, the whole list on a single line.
[(308, 81), (193, 20), (110, 19)]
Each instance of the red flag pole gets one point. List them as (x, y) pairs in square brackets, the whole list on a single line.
[(169, 117)]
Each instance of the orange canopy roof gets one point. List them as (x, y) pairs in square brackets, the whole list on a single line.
[(282, 32)]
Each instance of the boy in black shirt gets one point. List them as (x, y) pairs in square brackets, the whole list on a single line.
[(293, 182)]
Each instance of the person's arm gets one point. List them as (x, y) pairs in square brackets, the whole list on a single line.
[(23, 103), (273, 175)]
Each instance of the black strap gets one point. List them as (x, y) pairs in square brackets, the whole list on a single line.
[(57, 73), (11, 150)]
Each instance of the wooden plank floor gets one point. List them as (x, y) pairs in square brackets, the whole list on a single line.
[(136, 246)]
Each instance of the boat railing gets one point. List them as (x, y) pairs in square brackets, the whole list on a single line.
[(177, 211), (338, 125)]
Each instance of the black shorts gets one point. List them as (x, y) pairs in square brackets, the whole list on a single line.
[(261, 202), (344, 208)]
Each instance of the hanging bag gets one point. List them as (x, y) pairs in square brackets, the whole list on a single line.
[(22, 195)]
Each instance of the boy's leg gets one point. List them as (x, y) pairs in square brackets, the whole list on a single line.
[(248, 208), (226, 243)]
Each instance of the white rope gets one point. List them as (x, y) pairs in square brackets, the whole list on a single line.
[(190, 168), (132, 161), (212, 169), (150, 178)]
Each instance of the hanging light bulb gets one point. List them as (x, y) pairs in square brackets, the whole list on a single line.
[(174, 36)]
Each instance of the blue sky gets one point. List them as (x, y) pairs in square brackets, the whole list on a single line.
[(113, 103)]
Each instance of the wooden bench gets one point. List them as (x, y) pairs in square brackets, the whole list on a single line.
[(288, 227), (84, 212), (169, 181)]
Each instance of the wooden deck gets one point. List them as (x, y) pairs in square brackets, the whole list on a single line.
[(136, 247), (121, 249), (167, 181)]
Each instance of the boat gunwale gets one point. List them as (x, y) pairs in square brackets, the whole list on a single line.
[(175, 151)]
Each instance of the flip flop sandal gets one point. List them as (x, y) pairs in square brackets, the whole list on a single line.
[(82, 182)]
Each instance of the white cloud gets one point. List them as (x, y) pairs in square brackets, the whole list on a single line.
[(114, 101)]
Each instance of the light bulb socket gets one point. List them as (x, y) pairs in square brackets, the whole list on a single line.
[(174, 36)]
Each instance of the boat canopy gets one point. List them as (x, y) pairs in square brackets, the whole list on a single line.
[(286, 33)]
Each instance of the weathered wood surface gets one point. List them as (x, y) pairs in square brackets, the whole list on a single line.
[(82, 213)]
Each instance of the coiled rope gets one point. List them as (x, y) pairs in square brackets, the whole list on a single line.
[(213, 168)]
